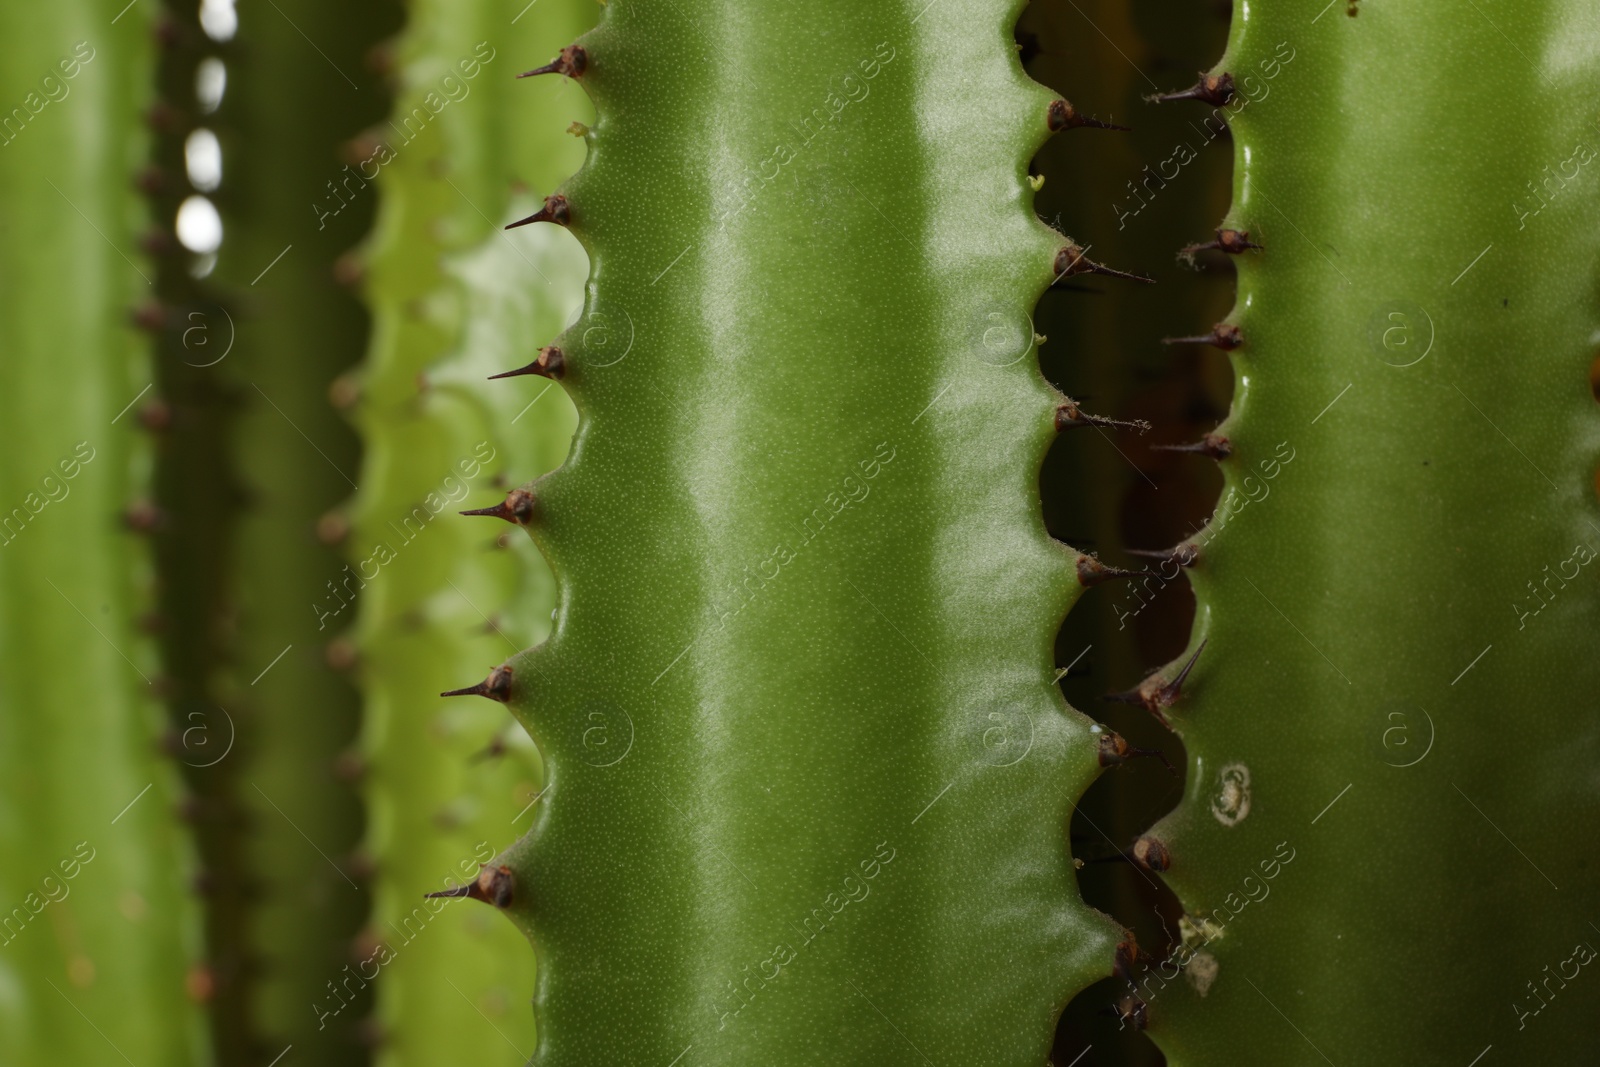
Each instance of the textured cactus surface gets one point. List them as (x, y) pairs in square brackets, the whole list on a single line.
[(808, 770), (1382, 851), (97, 927), (456, 300)]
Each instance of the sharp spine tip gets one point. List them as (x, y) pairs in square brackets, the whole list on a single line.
[(1213, 89), (496, 687), (517, 508), (552, 363), (572, 61), (1156, 694), (494, 885), (556, 209)]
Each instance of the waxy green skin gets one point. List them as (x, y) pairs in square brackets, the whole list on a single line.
[(802, 664), (455, 300), (89, 849), (287, 113), (1366, 640)]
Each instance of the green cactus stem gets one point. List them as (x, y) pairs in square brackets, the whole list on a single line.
[(98, 928), (1381, 851), (198, 496), (455, 300), (809, 773), (298, 88)]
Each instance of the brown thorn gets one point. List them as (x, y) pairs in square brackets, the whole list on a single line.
[(1224, 335), (517, 507), (1155, 694), (1091, 572), (1124, 958), (1061, 115), (494, 885), (1071, 261), (1213, 89), (1214, 445), (572, 62), (1070, 416), (552, 363), (1114, 751), (496, 687), (556, 210)]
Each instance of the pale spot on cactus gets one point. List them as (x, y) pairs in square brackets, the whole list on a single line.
[(1201, 971), (1231, 803)]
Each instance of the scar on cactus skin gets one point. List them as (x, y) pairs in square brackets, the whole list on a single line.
[(496, 687), (1155, 694), (556, 210), (1071, 261), (1061, 115), (1224, 335), (1214, 445), (552, 363), (1151, 854), (572, 62), (1213, 89), (494, 885), (517, 508)]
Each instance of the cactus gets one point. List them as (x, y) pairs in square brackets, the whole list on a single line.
[(809, 772), (455, 300), (290, 208), (97, 927), (1380, 851)]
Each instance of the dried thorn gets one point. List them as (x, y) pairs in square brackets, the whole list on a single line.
[(1123, 959), (572, 62), (1213, 89), (496, 687), (1115, 751), (517, 507), (494, 885), (1061, 115), (1214, 445), (1224, 335), (1071, 261), (556, 210), (1155, 694), (1232, 242), (1184, 555), (1091, 572), (1069, 416), (552, 363), (1151, 854)]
